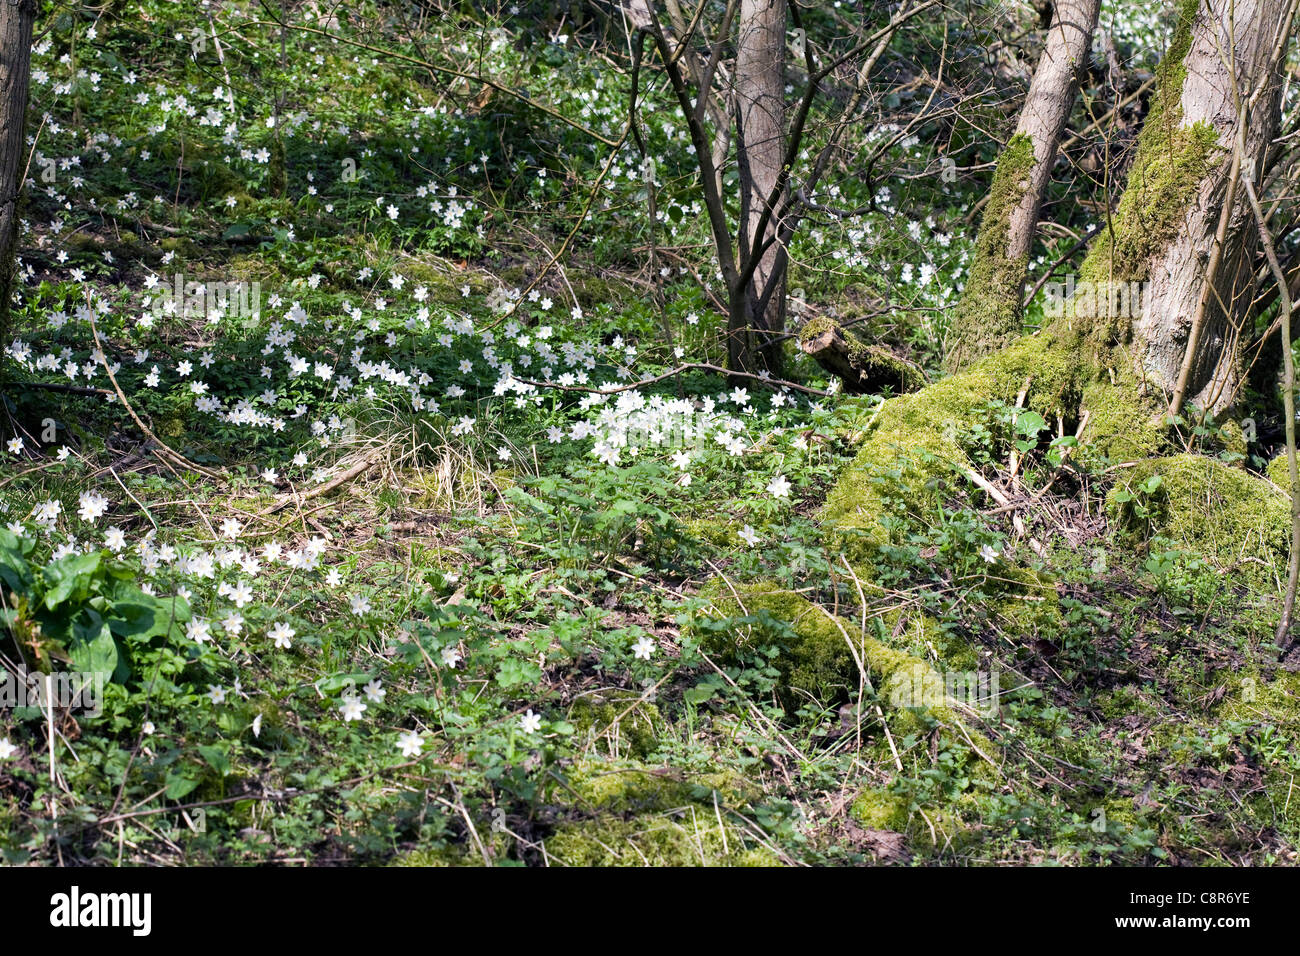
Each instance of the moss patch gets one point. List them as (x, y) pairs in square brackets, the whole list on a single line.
[(450, 855), (618, 722), (693, 838), (814, 658), (1279, 473), (1028, 604), (1202, 505), (814, 654), (712, 531), (628, 786), (880, 810)]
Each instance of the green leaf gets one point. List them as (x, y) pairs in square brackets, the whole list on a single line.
[(514, 672), (70, 577), (181, 783), (14, 572), (216, 758), (1030, 423), (140, 617), (93, 649), (704, 690), (336, 682)]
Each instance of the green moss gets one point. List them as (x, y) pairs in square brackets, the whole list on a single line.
[(443, 280), (1204, 506), (815, 659), (815, 656), (450, 855), (595, 784), (988, 316), (915, 437), (1279, 473), (185, 247), (694, 838), (914, 440), (816, 326), (877, 367), (880, 810), (1119, 423), (1123, 701), (721, 534), (1254, 696), (618, 721), (503, 479), (1028, 607)]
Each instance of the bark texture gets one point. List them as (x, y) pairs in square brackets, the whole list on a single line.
[(989, 315), (16, 21), (758, 312), (1185, 226)]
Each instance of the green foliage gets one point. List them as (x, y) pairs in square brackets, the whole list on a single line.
[(579, 607), (82, 609)]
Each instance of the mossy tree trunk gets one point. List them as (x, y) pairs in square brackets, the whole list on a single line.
[(757, 303), (16, 22), (1184, 227), (1098, 360), (989, 314)]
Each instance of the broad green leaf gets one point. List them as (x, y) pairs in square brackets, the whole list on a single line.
[(70, 577), (181, 783), (93, 649), (216, 758)]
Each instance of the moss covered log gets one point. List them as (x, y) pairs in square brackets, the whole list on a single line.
[(863, 368), (915, 441)]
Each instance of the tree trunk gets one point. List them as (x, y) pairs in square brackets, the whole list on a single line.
[(758, 302), (16, 21), (989, 315), (1090, 361), (1184, 227)]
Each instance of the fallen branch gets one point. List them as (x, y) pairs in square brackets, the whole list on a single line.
[(998, 495), (70, 389), (343, 477), (863, 368)]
